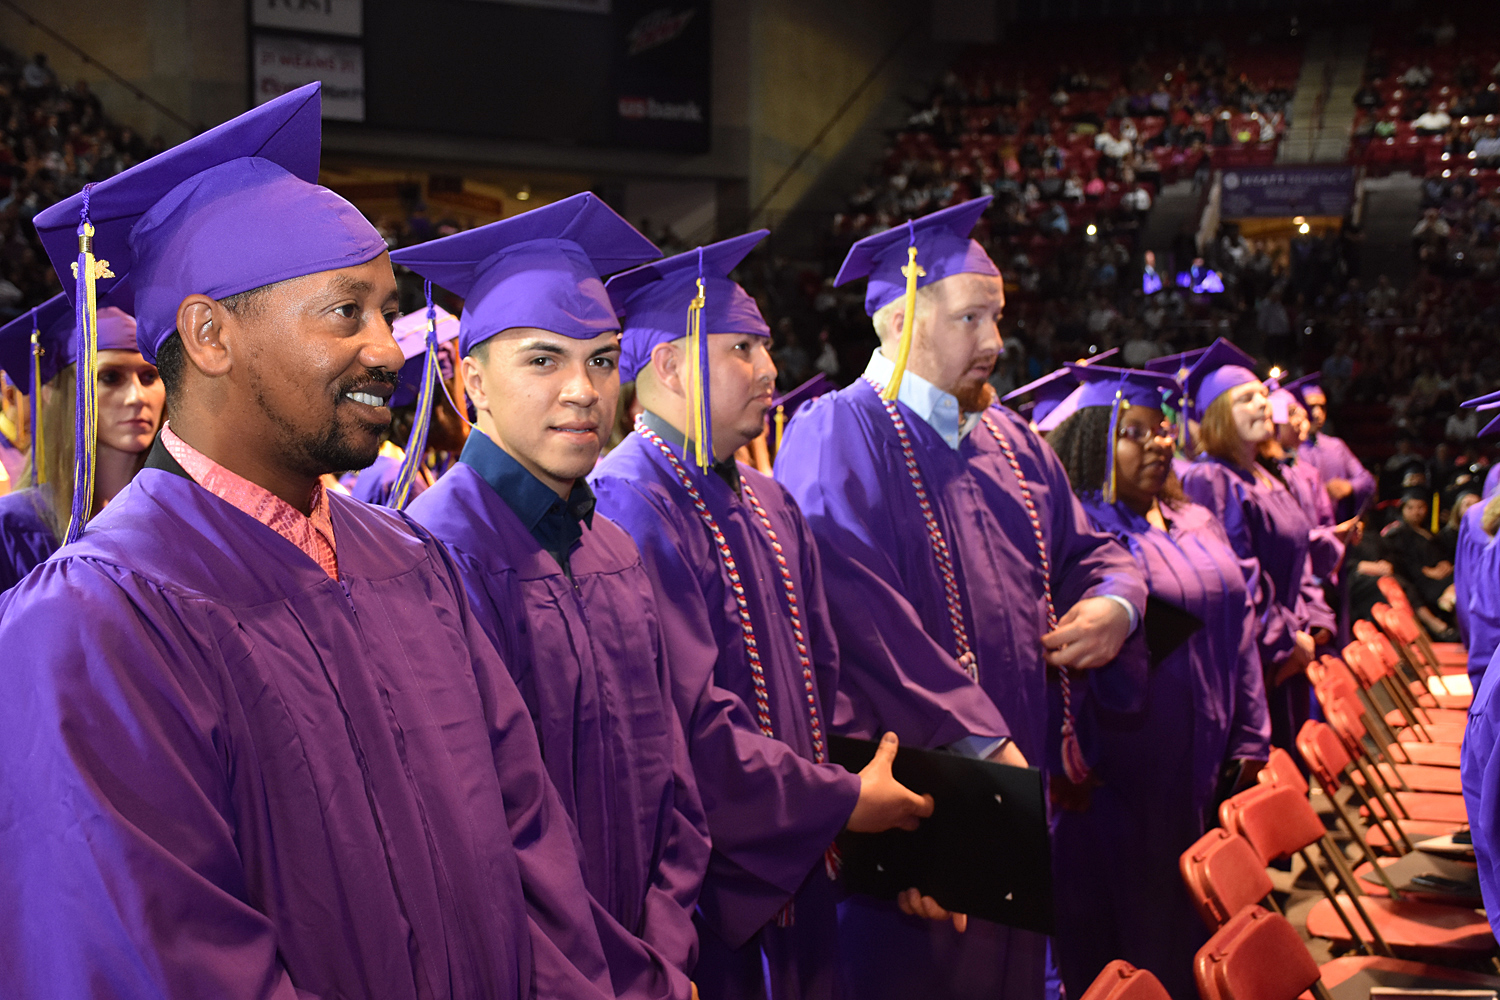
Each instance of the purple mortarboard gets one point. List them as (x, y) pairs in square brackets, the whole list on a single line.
[(228, 211), (1484, 403), (231, 210), (944, 248), (540, 269), (1304, 387), (411, 337), (653, 299), (1118, 389), (689, 295), (1052, 388), (785, 406), (1100, 384), (1175, 364), (1219, 369)]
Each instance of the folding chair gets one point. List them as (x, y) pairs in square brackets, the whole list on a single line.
[(1413, 744), (1414, 873), (1223, 875), (1451, 691), (1414, 705), (1258, 955), (1343, 714), (1279, 823), (1408, 635), (1119, 980), (1437, 652)]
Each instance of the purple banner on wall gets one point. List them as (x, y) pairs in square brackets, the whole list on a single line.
[(1272, 192)]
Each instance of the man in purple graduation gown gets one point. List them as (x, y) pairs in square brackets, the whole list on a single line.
[(561, 591), (277, 756), (753, 658), (26, 535), (1348, 482), (953, 657)]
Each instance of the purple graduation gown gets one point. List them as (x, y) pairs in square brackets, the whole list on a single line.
[(1121, 894), (841, 460), (1325, 552), (1476, 584), (1333, 460), (373, 483), (1479, 765), (587, 656), (236, 777), (25, 538), (772, 811), (1268, 525)]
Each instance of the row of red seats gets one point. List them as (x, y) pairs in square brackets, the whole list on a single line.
[(1255, 953)]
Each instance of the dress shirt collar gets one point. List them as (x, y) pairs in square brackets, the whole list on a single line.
[(938, 408)]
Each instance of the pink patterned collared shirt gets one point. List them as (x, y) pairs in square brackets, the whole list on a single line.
[(313, 535)]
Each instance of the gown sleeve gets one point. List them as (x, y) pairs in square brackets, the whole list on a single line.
[(771, 813), (121, 865)]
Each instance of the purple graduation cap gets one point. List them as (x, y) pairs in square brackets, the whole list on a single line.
[(905, 258), (1306, 388), (1487, 402), (689, 295), (1217, 370), (1053, 388), (42, 341), (540, 269), (1118, 389), (228, 211), (785, 406)]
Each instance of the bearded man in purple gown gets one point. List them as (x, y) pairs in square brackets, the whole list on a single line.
[(961, 574)]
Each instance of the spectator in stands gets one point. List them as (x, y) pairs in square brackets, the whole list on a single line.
[(1418, 76), (1367, 97), (1419, 564), (38, 78), (1433, 122), (1462, 425)]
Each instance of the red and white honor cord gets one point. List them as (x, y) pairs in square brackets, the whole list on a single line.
[(1072, 754), (742, 604)]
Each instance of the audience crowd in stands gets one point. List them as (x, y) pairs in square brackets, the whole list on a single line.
[(53, 140)]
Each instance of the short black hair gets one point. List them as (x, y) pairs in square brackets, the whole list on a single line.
[(171, 359)]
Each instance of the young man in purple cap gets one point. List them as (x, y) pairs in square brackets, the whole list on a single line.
[(559, 590), (753, 657), (276, 756), (961, 573), (1348, 482)]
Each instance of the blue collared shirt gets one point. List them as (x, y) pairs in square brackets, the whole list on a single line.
[(555, 523), (938, 408)]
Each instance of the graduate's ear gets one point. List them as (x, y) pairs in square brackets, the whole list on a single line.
[(471, 374), (666, 363), (201, 326)]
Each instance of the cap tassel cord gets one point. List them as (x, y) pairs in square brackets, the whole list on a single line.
[(1436, 498), (903, 347), (36, 391), (780, 423), (698, 428), (1109, 451), (416, 441), (87, 271)]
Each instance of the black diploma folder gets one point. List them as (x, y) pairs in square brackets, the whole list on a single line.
[(984, 851)]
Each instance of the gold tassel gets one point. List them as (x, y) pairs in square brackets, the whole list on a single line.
[(780, 423), (696, 404), (903, 349)]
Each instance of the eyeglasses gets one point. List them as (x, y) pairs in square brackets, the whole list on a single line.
[(1145, 435)]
